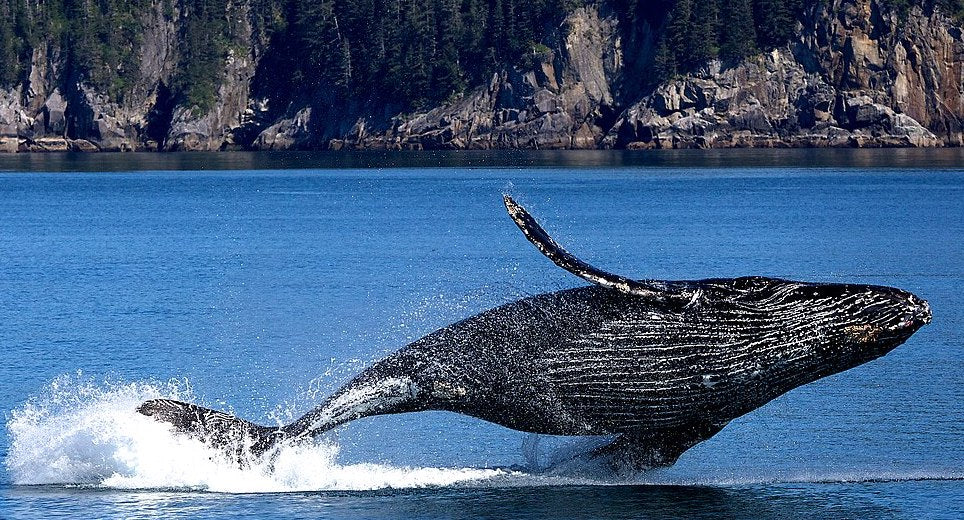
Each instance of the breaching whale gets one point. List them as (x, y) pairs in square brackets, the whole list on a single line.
[(662, 365)]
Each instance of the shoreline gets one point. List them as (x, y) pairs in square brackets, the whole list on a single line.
[(19, 145), (607, 161)]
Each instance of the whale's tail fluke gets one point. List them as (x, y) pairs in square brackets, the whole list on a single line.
[(239, 439), (368, 394)]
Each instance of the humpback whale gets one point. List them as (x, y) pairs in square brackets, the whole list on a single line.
[(659, 365)]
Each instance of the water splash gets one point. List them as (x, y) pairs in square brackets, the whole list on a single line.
[(82, 433), (76, 432)]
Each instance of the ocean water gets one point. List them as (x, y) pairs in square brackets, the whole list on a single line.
[(259, 283)]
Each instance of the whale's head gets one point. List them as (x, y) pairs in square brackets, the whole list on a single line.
[(885, 317), (817, 329)]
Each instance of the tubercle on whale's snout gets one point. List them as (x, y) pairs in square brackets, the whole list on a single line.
[(921, 309)]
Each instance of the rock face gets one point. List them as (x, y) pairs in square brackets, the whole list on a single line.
[(41, 117), (857, 74), (215, 129), (856, 77), (562, 101), (10, 123), (769, 101), (915, 65)]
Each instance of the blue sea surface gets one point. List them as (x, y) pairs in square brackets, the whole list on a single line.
[(261, 283)]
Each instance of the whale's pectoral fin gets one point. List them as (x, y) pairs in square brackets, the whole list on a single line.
[(630, 452), (638, 451), (238, 438), (564, 259)]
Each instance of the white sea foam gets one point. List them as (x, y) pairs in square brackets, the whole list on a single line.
[(80, 433), (77, 432)]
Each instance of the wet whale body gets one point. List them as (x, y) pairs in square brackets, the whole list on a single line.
[(662, 365)]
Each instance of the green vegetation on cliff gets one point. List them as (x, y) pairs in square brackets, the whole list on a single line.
[(409, 54), (953, 8), (14, 44), (697, 31), (93, 40), (205, 37)]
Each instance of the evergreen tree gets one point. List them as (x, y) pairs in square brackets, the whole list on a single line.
[(737, 33), (394, 66), (774, 24), (496, 34), (664, 62), (10, 66), (447, 74), (472, 42), (317, 32), (205, 39), (703, 40), (677, 34), (419, 58)]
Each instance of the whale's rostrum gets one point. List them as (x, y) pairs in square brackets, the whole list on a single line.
[(662, 365)]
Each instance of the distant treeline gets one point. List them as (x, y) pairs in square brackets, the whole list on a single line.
[(695, 31), (412, 53)]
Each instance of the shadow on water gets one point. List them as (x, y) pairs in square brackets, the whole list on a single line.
[(900, 158), (771, 502), (627, 502)]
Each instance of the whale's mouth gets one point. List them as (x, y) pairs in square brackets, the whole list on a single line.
[(918, 314), (922, 311)]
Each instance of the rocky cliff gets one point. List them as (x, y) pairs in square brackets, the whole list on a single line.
[(855, 74), (53, 110)]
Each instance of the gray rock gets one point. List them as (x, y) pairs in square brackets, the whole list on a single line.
[(546, 102), (83, 145), (288, 133), (10, 117), (214, 130), (54, 112)]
